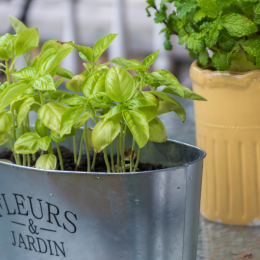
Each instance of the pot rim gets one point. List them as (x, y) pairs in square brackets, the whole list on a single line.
[(194, 65), (203, 155)]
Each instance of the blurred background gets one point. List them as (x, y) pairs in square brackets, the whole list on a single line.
[(85, 21)]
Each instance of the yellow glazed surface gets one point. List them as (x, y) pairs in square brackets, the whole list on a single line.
[(228, 128)]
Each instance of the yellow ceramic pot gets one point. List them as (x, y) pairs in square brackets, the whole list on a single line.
[(228, 128)]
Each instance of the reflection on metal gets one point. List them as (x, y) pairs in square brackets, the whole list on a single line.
[(149, 215)]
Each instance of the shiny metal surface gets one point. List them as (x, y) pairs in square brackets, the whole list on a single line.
[(84, 216)]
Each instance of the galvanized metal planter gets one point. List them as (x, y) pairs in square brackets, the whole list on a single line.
[(149, 215)]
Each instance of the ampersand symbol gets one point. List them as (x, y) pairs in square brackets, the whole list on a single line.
[(32, 228)]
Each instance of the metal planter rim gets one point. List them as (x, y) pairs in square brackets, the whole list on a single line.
[(116, 173)]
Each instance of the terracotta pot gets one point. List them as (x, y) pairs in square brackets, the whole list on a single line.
[(228, 128)]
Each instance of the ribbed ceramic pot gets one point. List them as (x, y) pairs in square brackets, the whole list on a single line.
[(228, 128), (151, 215)]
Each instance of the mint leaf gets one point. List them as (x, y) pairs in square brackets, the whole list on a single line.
[(252, 45), (248, 9), (225, 41), (221, 60), (167, 44), (209, 7), (195, 42), (184, 9), (161, 15), (257, 13), (240, 62), (199, 15), (239, 25), (211, 32), (151, 3), (192, 54), (223, 3), (203, 57), (166, 1), (258, 59)]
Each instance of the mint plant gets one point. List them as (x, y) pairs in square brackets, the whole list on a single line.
[(113, 98), (222, 35)]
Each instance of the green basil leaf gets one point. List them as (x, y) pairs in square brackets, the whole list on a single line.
[(20, 99), (139, 102), (149, 60), (45, 142), (75, 101), (46, 162), (88, 134), (83, 57), (27, 143), (97, 104), (3, 140), (26, 73), (94, 84), (166, 107), (104, 132), (11, 93), (17, 25), (239, 25), (26, 40), (137, 81), (84, 118), (69, 118), (50, 114), (64, 73), (124, 62), (56, 46), (44, 83), (75, 84), (5, 46), (157, 131), (115, 110), (102, 44), (87, 52), (58, 82), (41, 129), (25, 108), (119, 84), (139, 67), (57, 138), (151, 111), (57, 94), (164, 77), (97, 95), (188, 94), (138, 125), (50, 61), (165, 97), (5, 122)]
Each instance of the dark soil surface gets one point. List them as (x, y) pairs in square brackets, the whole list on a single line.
[(69, 165)]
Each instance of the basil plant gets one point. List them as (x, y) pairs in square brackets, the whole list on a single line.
[(112, 97)]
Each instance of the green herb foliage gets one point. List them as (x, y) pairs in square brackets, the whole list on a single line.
[(227, 28), (111, 96)]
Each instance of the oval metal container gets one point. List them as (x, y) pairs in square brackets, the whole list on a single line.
[(152, 215)]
